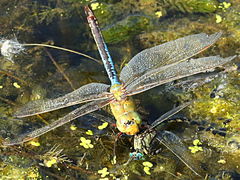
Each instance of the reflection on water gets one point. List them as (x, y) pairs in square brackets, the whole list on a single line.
[(34, 76)]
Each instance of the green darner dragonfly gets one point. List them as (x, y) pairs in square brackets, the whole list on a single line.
[(147, 141), (148, 69)]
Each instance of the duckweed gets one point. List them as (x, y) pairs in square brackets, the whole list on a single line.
[(34, 143), (147, 165), (95, 5), (50, 162), (195, 149), (158, 14), (147, 170), (224, 5), (196, 142), (86, 143), (104, 172), (218, 18), (196, 146), (103, 126), (222, 161), (89, 132), (16, 85), (73, 127)]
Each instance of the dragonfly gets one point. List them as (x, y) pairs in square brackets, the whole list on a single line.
[(148, 140), (150, 68)]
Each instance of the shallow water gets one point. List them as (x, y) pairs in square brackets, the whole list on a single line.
[(128, 27)]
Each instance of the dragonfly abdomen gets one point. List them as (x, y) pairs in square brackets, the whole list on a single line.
[(102, 47)]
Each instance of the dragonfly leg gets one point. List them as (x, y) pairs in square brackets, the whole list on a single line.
[(115, 144)]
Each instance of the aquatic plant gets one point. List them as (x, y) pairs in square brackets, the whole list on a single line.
[(53, 156), (13, 172), (86, 143), (196, 146), (192, 6), (147, 165), (104, 172)]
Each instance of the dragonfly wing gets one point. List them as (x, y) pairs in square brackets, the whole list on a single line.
[(142, 142), (173, 143), (89, 92), (168, 114), (183, 69), (166, 54), (84, 109)]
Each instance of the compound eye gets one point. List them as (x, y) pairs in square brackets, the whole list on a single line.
[(129, 123)]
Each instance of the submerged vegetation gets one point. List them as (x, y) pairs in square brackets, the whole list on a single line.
[(88, 148)]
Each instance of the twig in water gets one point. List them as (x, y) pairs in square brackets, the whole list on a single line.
[(60, 69), (64, 49)]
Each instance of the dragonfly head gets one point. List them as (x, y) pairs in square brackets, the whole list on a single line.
[(129, 123), (129, 127), (143, 141), (118, 91)]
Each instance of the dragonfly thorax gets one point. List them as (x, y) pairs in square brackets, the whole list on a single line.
[(118, 92)]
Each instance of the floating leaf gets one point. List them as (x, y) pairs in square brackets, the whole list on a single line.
[(103, 126), (73, 127), (34, 143), (86, 143), (147, 164), (104, 172), (16, 85), (89, 132)]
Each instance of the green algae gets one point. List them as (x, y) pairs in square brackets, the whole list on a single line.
[(192, 6), (125, 29), (131, 23), (224, 106), (14, 173), (217, 111)]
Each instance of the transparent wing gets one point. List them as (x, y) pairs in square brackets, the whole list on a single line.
[(166, 54), (85, 109), (168, 114), (85, 93), (175, 145), (183, 69)]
